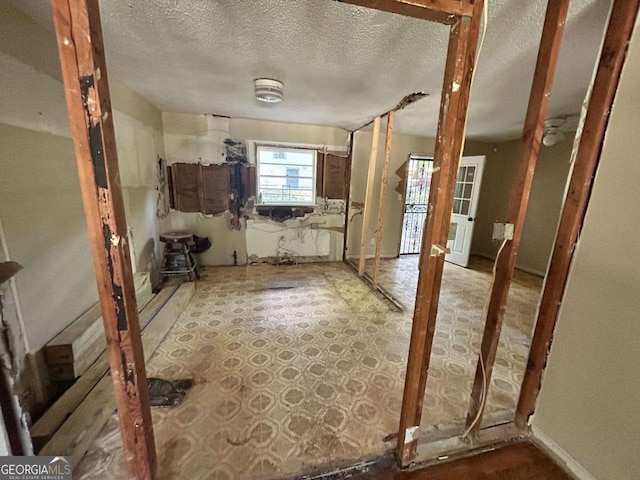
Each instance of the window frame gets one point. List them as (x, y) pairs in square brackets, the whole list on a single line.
[(314, 177)]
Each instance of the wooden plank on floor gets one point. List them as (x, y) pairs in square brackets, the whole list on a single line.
[(54, 417), (86, 86), (585, 163), (78, 432), (459, 67), (440, 11), (70, 353), (383, 197), (366, 211), (550, 42)]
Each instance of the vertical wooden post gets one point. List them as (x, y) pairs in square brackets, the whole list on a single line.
[(585, 163), (347, 197), (383, 196), (79, 37), (366, 211), (550, 42), (458, 76)]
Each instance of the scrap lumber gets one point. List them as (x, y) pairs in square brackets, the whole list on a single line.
[(55, 416), (585, 163), (70, 353), (366, 211), (383, 197), (86, 85), (458, 77), (549, 52), (78, 432)]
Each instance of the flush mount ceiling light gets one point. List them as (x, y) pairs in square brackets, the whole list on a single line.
[(553, 134), (269, 90)]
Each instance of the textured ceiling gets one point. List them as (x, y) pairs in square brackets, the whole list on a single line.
[(341, 65)]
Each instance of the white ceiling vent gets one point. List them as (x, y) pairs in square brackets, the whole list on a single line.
[(268, 90)]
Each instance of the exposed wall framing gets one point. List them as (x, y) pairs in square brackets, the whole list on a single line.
[(551, 40), (460, 64), (383, 197), (585, 159), (366, 211)]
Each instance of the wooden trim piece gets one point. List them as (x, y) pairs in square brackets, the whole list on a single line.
[(347, 196), (549, 51), (84, 72), (586, 157), (383, 197), (440, 11), (459, 67), (366, 211)]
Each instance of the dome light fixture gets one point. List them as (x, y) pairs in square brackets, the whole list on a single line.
[(269, 90), (553, 134)]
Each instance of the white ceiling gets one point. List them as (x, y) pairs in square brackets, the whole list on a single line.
[(341, 65)]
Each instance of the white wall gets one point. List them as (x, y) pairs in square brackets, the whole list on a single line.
[(40, 203), (590, 397), (200, 138)]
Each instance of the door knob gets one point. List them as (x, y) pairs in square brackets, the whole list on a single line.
[(470, 219)]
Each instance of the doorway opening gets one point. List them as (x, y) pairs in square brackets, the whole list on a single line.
[(416, 202)]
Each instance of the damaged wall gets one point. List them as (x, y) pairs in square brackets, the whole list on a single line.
[(201, 139), (401, 147), (40, 201)]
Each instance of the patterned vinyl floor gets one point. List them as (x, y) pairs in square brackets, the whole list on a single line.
[(301, 369)]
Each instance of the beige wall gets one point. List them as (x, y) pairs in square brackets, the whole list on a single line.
[(544, 204), (200, 138), (401, 147), (40, 203), (590, 395)]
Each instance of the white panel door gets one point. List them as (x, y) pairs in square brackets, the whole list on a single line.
[(465, 205)]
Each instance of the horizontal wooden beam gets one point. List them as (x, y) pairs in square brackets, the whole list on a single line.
[(440, 11), (587, 156)]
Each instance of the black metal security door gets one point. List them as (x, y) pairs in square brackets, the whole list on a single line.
[(416, 203)]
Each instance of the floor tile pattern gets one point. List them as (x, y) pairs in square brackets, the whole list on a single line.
[(300, 369)]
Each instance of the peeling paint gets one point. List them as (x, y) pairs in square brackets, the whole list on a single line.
[(411, 434)]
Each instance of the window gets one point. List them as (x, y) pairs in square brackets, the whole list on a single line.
[(286, 176)]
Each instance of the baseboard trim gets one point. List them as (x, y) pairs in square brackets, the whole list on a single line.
[(562, 458), (532, 271)]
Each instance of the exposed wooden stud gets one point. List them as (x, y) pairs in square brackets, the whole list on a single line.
[(347, 197), (441, 11), (84, 72), (459, 67), (383, 197), (586, 157), (366, 211), (550, 42)]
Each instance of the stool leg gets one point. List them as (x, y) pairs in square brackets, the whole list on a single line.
[(189, 263)]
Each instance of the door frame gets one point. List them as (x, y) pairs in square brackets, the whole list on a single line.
[(404, 196)]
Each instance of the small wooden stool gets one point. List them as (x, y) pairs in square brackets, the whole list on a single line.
[(178, 259)]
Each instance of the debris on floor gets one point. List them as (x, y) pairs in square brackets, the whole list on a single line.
[(163, 393)]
